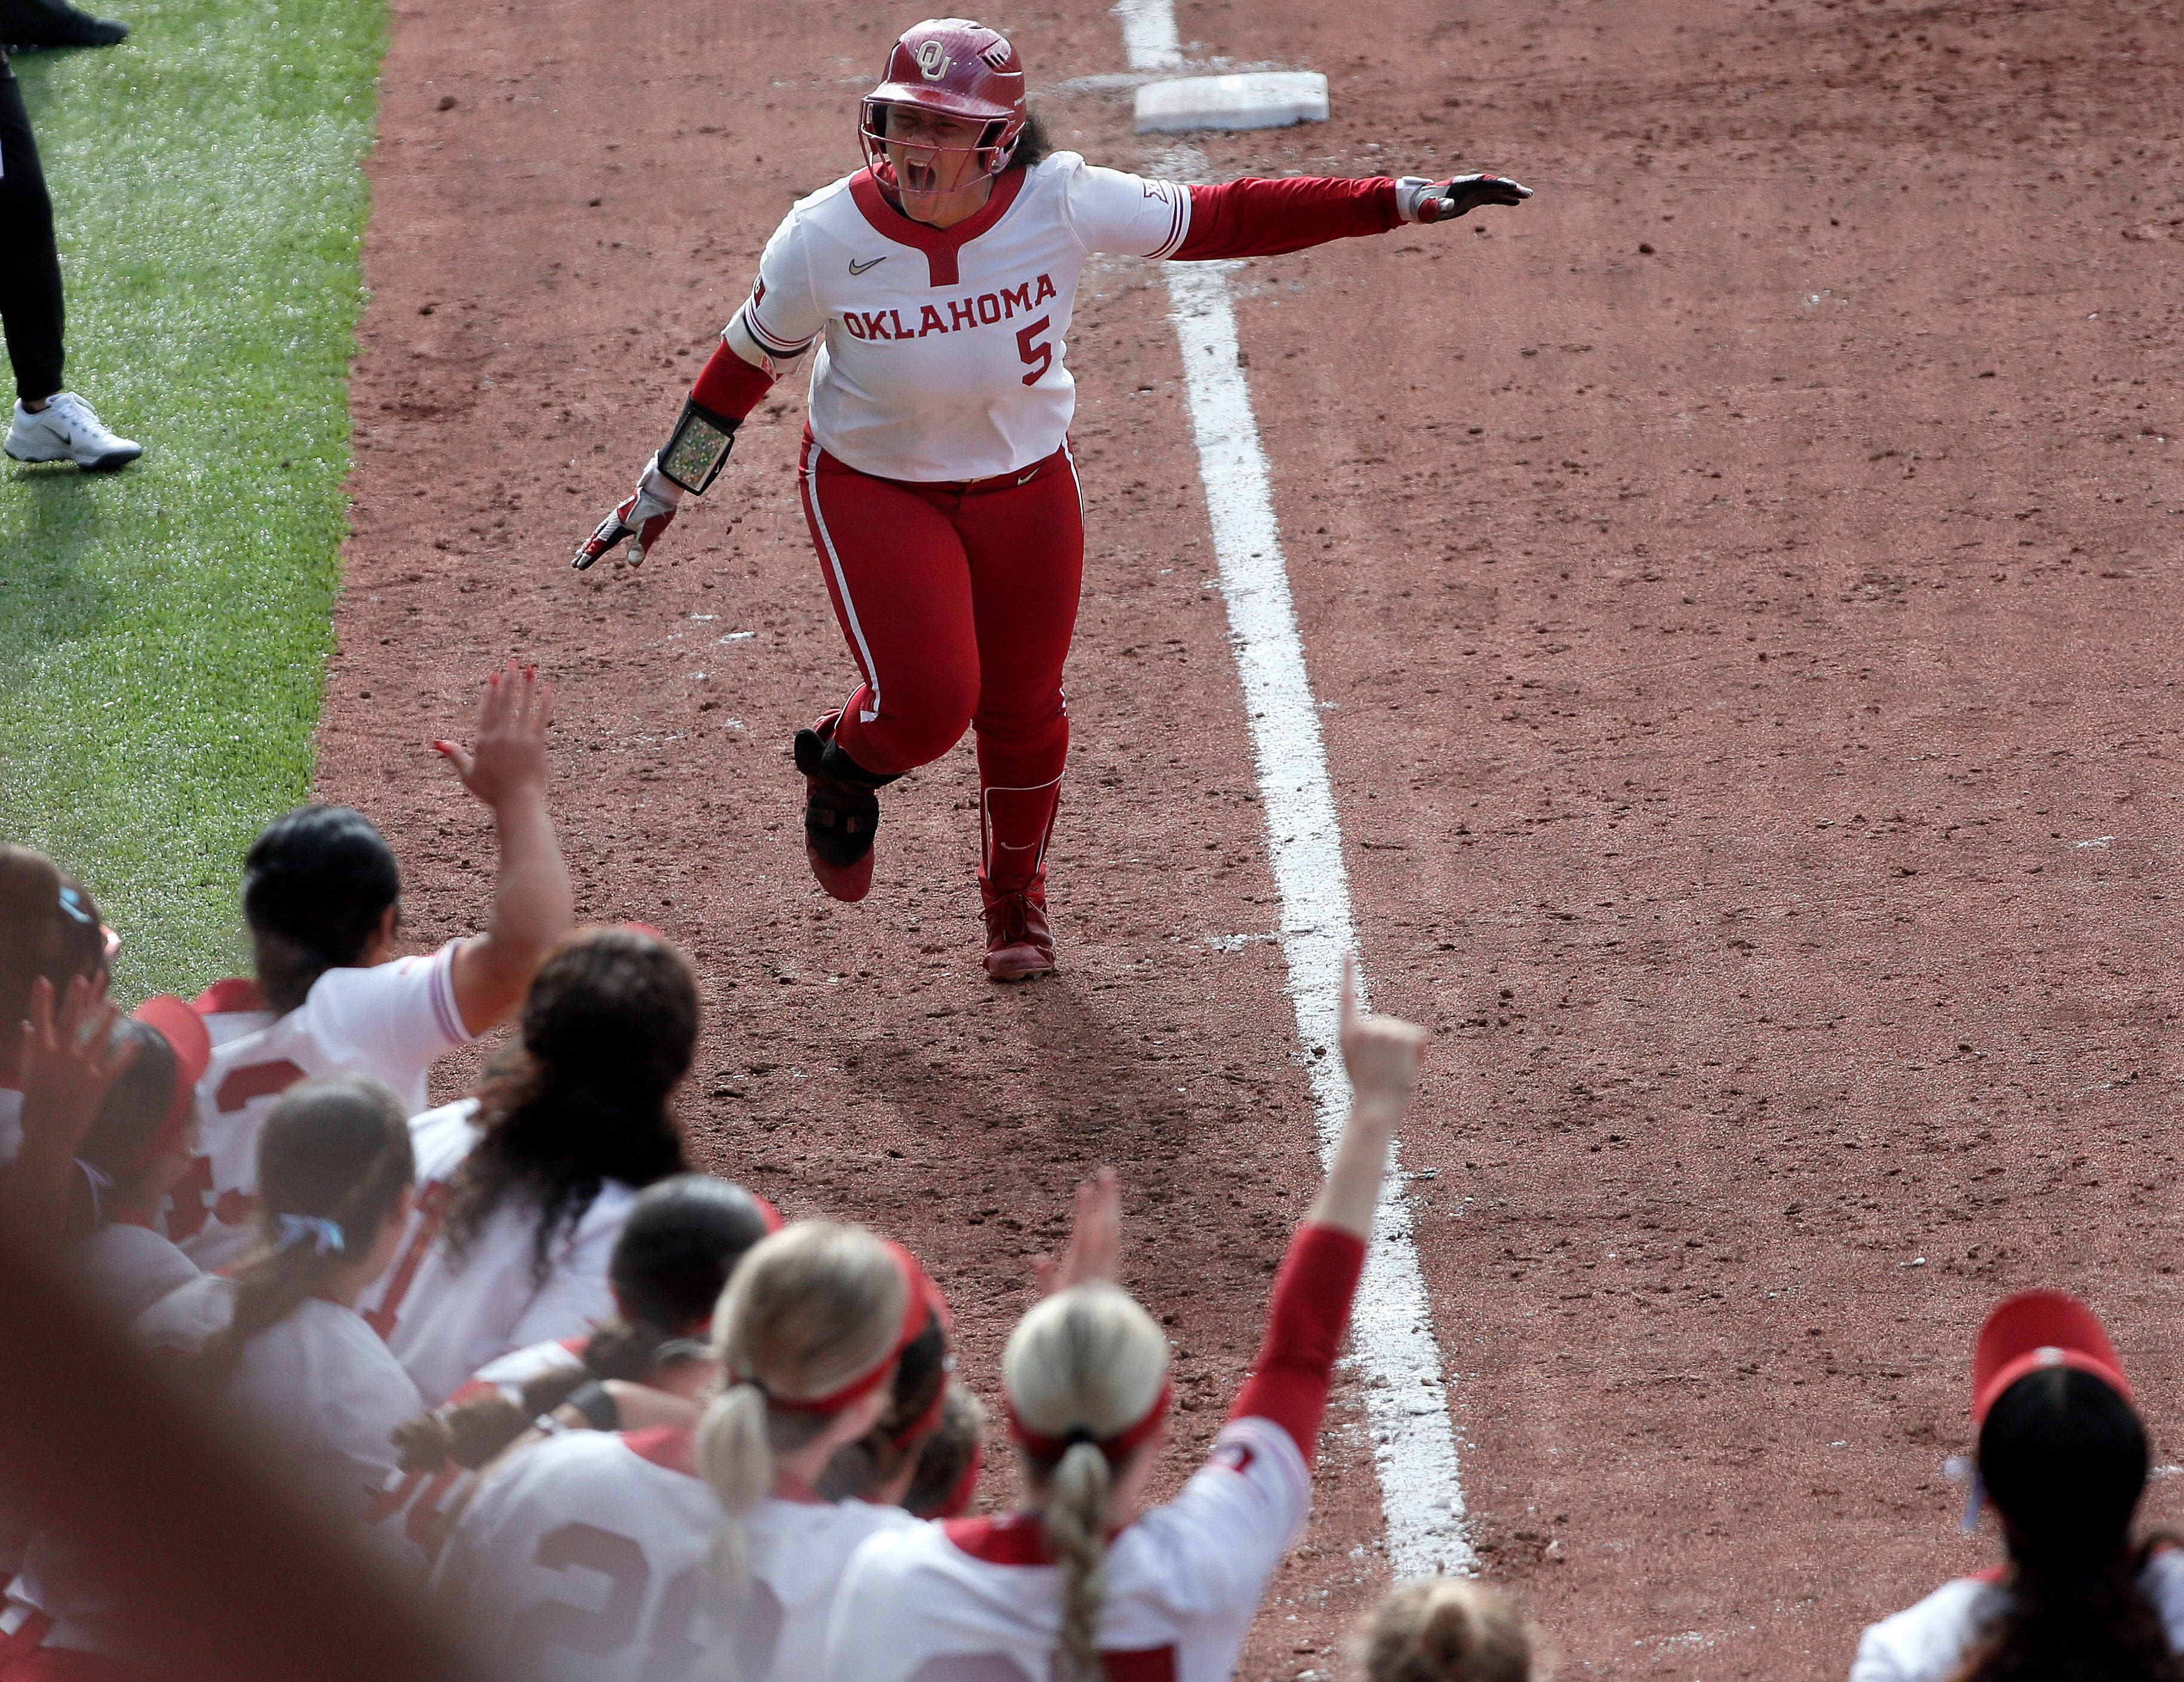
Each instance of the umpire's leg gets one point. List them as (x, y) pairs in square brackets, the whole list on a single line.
[(31, 273)]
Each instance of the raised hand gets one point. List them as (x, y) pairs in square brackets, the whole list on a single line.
[(1094, 1254), (506, 759), (1381, 1055)]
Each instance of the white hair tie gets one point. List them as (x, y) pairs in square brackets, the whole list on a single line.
[(326, 1235)]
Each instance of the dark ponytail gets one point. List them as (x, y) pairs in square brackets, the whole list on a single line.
[(316, 885), (333, 1161), (2064, 1458), (608, 1029)]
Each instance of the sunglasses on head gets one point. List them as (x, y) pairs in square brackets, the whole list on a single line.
[(73, 907)]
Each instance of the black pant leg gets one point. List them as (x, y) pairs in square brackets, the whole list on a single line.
[(31, 273)]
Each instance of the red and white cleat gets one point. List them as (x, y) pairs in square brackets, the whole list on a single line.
[(1019, 945)]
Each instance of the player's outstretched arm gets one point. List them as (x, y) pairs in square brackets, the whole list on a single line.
[(741, 371), (504, 767), (1255, 217)]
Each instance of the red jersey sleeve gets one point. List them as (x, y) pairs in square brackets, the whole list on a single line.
[(1305, 1323), (1258, 218), (729, 386)]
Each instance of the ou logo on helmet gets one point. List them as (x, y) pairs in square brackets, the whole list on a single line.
[(932, 60)]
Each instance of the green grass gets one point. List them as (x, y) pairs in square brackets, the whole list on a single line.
[(164, 631)]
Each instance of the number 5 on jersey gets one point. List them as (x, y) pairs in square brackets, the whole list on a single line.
[(1038, 358)]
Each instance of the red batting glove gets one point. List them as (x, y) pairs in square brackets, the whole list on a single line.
[(644, 517)]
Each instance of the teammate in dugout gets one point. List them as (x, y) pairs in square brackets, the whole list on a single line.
[(938, 283)]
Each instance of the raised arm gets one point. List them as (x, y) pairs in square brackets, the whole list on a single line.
[(504, 767), (1318, 1278)]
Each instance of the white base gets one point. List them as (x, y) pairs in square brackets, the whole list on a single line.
[(1260, 99)]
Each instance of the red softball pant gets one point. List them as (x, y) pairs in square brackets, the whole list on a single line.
[(958, 602)]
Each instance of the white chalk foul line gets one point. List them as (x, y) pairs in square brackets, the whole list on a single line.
[(1407, 1405)]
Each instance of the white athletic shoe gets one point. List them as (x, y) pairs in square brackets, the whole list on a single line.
[(65, 430)]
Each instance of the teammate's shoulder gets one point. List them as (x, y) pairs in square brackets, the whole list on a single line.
[(816, 204), (450, 1126), (1927, 1638), (188, 1315)]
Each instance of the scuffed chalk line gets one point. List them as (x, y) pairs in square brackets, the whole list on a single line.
[(1414, 1449)]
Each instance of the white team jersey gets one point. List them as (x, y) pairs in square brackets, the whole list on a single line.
[(585, 1558), (942, 352), (445, 1317), (11, 1123), (124, 1269), (1926, 1642), (973, 1600), (392, 1020)]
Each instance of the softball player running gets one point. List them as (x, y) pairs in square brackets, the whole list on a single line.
[(1082, 1584), (938, 283)]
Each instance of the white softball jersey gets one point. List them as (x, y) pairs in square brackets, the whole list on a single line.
[(585, 1559), (977, 1600), (1926, 1642), (124, 1268), (942, 352), (446, 1315), (392, 1021)]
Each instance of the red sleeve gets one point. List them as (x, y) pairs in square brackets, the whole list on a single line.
[(1254, 218), (1305, 1324), (729, 386)]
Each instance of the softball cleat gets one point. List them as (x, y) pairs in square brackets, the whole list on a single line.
[(1019, 945), (841, 812)]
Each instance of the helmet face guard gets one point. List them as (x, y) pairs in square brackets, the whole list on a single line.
[(995, 146)]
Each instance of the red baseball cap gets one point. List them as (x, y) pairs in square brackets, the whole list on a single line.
[(2038, 1328), (184, 1030)]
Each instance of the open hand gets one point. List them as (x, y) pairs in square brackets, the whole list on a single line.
[(1094, 1254), (506, 759), (70, 1063), (1380, 1053), (1445, 201)]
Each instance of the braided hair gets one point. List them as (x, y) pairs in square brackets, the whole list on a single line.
[(1086, 1365), (333, 1162), (2063, 1458), (608, 1029)]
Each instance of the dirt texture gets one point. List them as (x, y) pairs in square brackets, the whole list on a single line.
[(1741, 585)]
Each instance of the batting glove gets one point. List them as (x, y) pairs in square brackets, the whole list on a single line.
[(644, 517), (1420, 200)]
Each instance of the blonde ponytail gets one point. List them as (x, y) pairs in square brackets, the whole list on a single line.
[(811, 1309), (1086, 1378), (1076, 1530)]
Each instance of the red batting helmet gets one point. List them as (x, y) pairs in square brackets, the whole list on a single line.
[(955, 67)]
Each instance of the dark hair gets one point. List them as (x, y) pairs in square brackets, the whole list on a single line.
[(947, 1463), (316, 884), (335, 1150), (135, 1107), (49, 928), (2064, 1458), (857, 1470), (609, 1030), (682, 1239)]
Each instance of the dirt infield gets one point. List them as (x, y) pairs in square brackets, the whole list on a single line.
[(1742, 585)]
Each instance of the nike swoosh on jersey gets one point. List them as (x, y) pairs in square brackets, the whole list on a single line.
[(857, 268)]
